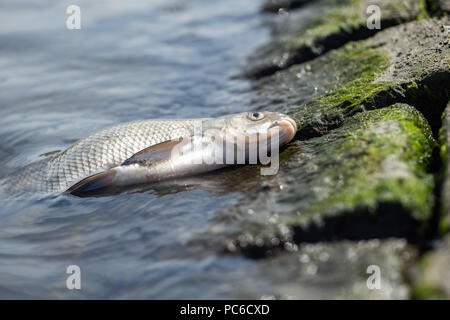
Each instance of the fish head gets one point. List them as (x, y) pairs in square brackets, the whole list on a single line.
[(255, 126)]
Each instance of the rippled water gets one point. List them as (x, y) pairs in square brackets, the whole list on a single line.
[(130, 60)]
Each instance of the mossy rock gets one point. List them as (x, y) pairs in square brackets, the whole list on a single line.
[(360, 167), (342, 21), (366, 179), (434, 270), (378, 156), (409, 63), (444, 136)]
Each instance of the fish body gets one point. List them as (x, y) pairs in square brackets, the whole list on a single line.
[(143, 152)]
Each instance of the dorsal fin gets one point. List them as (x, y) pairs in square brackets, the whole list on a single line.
[(154, 153)]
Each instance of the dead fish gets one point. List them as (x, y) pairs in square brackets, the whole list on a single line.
[(143, 151)]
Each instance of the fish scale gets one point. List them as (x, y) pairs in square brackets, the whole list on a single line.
[(101, 150)]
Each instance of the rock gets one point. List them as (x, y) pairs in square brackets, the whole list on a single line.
[(331, 271), (409, 63), (345, 21), (444, 224), (354, 66), (366, 179), (443, 6), (276, 5), (434, 271), (361, 167)]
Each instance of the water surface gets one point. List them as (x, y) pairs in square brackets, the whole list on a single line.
[(130, 60)]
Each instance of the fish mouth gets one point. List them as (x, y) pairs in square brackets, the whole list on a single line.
[(287, 129)]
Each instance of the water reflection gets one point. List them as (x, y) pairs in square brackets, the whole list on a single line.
[(219, 183)]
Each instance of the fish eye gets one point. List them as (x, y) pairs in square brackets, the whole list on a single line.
[(255, 116)]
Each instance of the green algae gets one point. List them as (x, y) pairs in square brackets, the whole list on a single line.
[(342, 17), (423, 291), (361, 89), (383, 157), (367, 178), (345, 21), (424, 286), (366, 65), (349, 17), (426, 292), (362, 153), (423, 13), (340, 124), (362, 65)]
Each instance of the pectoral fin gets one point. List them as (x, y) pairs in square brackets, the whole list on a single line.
[(153, 154), (111, 177), (97, 181)]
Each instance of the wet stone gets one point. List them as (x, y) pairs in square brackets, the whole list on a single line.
[(434, 273), (366, 179), (445, 142), (341, 22), (443, 6), (360, 167), (388, 68), (339, 270)]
